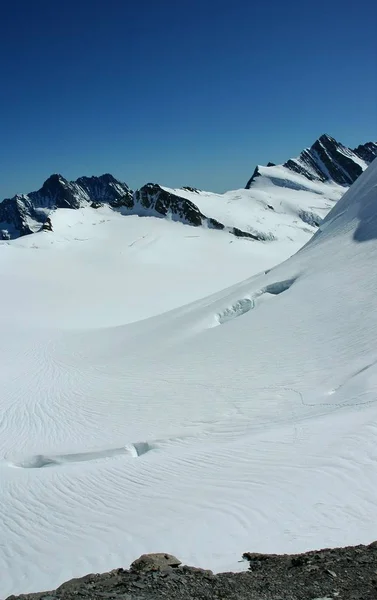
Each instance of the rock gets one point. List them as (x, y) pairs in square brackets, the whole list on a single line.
[(188, 188), (299, 561), (327, 160), (155, 562), (159, 202), (367, 152), (195, 570), (47, 225), (239, 233), (270, 577), (253, 177)]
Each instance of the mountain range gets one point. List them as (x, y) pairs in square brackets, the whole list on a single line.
[(323, 171)]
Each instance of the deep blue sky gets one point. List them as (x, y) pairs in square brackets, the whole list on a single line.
[(177, 92)]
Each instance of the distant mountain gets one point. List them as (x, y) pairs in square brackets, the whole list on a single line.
[(25, 214), (326, 161), (324, 171), (30, 213)]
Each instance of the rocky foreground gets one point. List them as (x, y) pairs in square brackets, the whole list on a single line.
[(331, 574)]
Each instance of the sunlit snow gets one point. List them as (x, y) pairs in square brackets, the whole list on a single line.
[(165, 388)]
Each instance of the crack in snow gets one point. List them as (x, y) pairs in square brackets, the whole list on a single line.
[(39, 461)]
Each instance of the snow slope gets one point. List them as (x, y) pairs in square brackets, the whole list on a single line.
[(99, 268), (246, 420), (279, 206)]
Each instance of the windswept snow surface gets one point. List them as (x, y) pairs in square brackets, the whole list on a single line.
[(246, 420)]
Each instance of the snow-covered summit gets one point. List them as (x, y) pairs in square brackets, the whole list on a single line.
[(325, 161)]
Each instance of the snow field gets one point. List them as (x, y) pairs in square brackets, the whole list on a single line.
[(244, 419)]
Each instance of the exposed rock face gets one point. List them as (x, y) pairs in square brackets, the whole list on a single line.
[(332, 574), (24, 214), (157, 200), (107, 190), (190, 189), (329, 160), (17, 216), (367, 152), (47, 225)]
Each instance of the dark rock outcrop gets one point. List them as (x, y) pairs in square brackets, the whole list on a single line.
[(329, 160), (47, 225), (254, 176), (239, 233), (188, 188), (56, 192), (160, 202), (367, 152), (16, 217), (332, 574), (107, 190)]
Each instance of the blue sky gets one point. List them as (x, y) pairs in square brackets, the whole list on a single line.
[(177, 92)]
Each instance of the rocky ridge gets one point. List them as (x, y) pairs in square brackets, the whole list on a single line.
[(327, 161), (329, 574), (29, 213)]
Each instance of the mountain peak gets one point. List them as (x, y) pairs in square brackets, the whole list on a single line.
[(327, 160), (108, 178), (54, 179), (325, 137)]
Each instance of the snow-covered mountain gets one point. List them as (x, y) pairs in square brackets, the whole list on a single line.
[(325, 161), (25, 214), (300, 192), (244, 419)]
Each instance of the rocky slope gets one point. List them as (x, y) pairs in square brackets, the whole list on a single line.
[(326, 161), (330, 574)]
